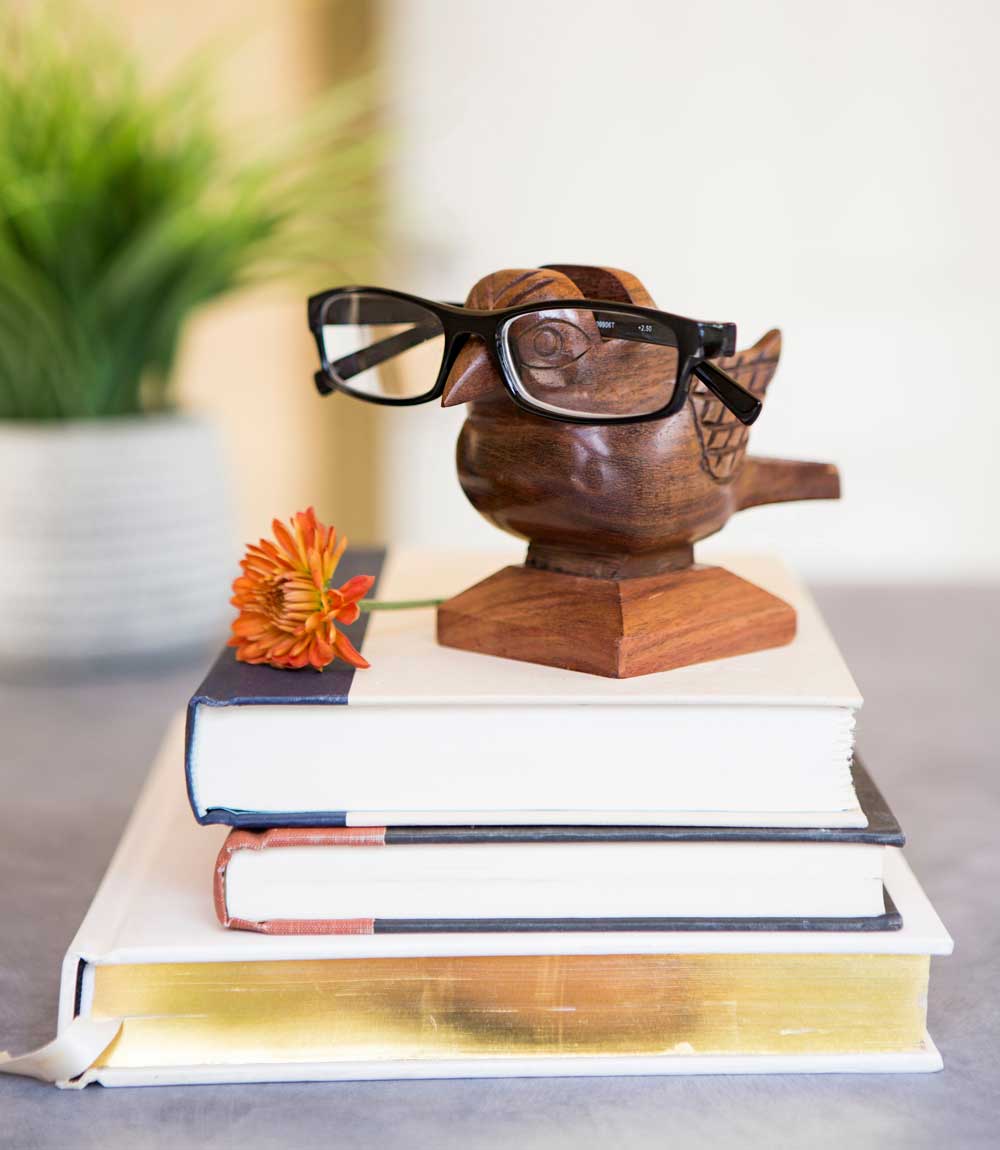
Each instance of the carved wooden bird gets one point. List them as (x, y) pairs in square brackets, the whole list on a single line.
[(613, 501)]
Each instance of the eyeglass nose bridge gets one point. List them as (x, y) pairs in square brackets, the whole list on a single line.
[(472, 351), (483, 375)]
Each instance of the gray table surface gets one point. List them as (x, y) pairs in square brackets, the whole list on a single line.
[(72, 759)]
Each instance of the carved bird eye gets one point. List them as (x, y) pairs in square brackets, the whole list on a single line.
[(550, 343)]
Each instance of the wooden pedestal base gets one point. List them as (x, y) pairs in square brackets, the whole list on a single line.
[(617, 628)]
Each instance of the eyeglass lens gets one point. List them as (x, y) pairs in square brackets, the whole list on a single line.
[(382, 347), (582, 362)]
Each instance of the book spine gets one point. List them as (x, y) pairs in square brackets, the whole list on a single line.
[(293, 837), (890, 921), (233, 684), (300, 926)]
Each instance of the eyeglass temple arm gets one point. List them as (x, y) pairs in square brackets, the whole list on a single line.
[(742, 403), (354, 364), (717, 339)]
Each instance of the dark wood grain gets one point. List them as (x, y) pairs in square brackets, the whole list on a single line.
[(615, 627), (615, 502)]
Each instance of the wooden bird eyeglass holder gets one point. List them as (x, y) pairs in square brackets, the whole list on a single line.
[(612, 437)]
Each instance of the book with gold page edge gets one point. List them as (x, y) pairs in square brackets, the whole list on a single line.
[(154, 991)]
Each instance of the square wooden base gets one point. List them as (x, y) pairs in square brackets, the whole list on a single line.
[(617, 628)]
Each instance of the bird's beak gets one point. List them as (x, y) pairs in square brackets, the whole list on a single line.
[(473, 376)]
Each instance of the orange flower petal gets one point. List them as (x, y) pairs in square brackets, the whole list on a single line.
[(333, 558), (288, 544), (357, 588), (348, 613), (348, 652), (320, 653), (249, 626)]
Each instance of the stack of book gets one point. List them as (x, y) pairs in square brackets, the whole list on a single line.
[(453, 864)]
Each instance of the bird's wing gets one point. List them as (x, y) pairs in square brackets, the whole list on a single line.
[(723, 438)]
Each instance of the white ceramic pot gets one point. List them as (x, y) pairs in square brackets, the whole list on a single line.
[(116, 539)]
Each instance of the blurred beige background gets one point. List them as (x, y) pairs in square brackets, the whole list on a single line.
[(828, 169), (832, 171)]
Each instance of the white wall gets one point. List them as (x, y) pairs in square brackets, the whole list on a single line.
[(831, 169)]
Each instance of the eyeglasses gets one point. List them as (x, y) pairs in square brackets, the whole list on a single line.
[(578, 361)]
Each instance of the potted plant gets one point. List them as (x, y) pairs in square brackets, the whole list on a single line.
[(121, 213)]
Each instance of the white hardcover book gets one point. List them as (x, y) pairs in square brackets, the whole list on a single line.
[(434, 736), (155, 907), (601, 881)]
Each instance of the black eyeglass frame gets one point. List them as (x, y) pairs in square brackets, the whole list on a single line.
[(697, 342)]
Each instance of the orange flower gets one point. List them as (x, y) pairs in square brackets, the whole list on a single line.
[(287, 609)]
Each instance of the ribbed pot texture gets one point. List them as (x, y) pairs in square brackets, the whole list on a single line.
[(116, 538)]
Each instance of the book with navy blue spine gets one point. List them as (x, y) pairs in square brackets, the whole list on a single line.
[(433, 736)]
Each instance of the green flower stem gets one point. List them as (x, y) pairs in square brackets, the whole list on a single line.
[(397, 604)]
